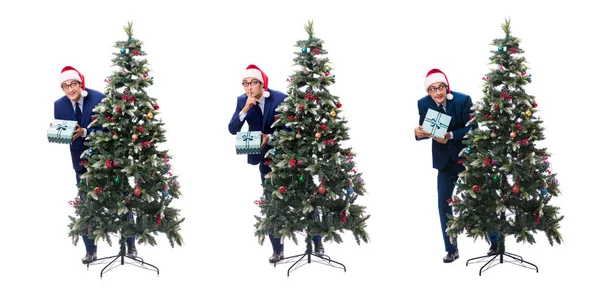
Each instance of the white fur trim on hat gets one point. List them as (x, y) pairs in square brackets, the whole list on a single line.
[(253, 73), (69, 75)]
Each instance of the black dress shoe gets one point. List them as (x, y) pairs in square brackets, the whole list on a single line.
[(276, 257), (131, 251), (319, 249), (493, 250), (451, 256), (89, 258)]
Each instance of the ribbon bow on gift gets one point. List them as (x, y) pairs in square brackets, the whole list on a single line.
[(434, 123), (247, 137), (61, 127)]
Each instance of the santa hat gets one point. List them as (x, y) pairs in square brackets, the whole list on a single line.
[(253, 71), (435, 76), (70, 73)]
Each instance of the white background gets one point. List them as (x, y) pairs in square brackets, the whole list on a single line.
[(380, 56)]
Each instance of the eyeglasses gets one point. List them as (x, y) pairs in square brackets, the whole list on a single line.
[(251, 83), (69, 86), (435, 89)]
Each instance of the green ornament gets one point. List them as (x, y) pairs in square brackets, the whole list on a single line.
[(266, 181), (501, 106), (524, 68), (81, 182), (117, 180), (484, 90), (459, 181), (301, 179), (495, 178)]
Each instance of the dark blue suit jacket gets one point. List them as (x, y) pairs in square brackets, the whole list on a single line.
[(63, 110), (255, 123), (459, 109)]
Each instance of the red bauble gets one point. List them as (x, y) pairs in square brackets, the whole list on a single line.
[(321, 190), (137, 191), (515, 189), (513, 135), (318, 135), (98, 190), (134, 136)]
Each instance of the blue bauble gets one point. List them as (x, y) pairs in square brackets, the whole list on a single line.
[(500, 48), (274, 151), (165, 193), (123, 51), (468, 149), (90, 152), (544, 191), (350, 191), (304, 50)]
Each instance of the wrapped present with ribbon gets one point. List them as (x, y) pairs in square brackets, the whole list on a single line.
[(248, 142), (436, 123), (61, 131)]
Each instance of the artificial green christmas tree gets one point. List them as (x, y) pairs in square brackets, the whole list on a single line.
[(127, 172), (310, 168), (508, 182)]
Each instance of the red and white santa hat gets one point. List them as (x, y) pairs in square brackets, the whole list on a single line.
[(435, 76), (70, 73), (253, 71)]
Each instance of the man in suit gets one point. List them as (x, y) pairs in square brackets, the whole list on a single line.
[(445, 151), (257, 108), (77, 105)]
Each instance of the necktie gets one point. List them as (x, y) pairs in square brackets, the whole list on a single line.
[(78, 113), (441, 109)]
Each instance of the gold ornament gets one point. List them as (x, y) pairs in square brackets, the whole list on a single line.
[(333, 113), (150, 115), (528, 113)]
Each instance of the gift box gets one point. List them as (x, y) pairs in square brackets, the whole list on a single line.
[(248, 142), (61, 131), (436, 123)]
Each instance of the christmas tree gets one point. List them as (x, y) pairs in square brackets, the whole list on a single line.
[(508, 182), (310, 169), (127, 173)]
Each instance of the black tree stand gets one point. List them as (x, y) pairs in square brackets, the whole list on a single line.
[(500, 257), (139, 262), (323, 259)]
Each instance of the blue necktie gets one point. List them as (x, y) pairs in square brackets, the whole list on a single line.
[(441, 109), (78, 113)]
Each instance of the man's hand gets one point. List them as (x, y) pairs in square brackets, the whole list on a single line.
[(445, 140), (250, 101), (420, 133), (265, 139), (78, 132)]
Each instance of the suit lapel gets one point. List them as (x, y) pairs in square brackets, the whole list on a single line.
[(267, 111), (450, 111), (85, 114)]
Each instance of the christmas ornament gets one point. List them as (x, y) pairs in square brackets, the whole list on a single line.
[(298, 135), (524, 68), (123, 51), (266, 181), (98, 190), (350, 191), (318, 135), (301, 178), (150, 115), (321, 190), (165, 193), (90, 152), (528, 113), (274, 151), (468, 150), (283, 189), (333, 113), (134, 136), (500, 48), (115, 136), (117, 180), (515, 189), (493, 134), (544, 191), (137, 191), (495, 178), (513, 135), (304, 50)]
